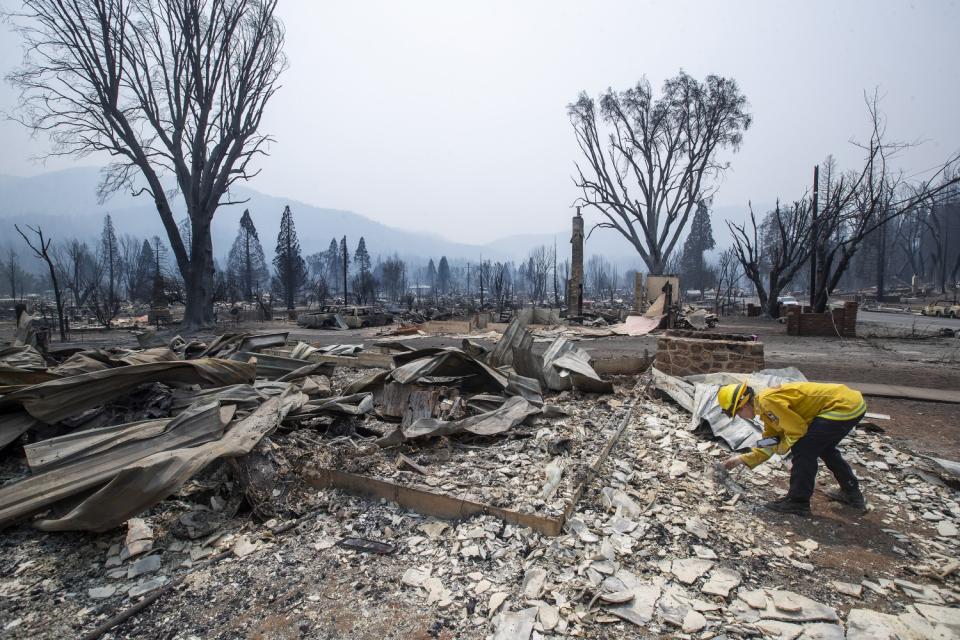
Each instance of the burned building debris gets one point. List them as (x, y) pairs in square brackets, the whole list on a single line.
[(503, 485)]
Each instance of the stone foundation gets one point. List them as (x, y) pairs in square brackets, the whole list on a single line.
[(684, 353), (834, 323)]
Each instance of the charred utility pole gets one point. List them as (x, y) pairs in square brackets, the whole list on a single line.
[(814, 234), (481, 282), (882, 261), (556, 283), (575, 285)]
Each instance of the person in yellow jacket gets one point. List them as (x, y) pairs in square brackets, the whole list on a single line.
[(808, 419)]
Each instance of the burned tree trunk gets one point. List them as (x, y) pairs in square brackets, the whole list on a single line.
[(42, 251), (160, 86)]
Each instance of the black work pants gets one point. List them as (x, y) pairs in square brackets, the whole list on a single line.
[(821, 442)]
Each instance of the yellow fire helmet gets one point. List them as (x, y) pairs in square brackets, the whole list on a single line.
[(732, 397)]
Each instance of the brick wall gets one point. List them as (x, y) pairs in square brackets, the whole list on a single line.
[(680, 354), (842, 321)]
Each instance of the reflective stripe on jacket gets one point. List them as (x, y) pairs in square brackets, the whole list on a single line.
[(787, 411)]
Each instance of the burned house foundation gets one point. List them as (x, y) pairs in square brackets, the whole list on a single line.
[(682, 353)]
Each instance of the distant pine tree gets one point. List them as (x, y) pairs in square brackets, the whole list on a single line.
[(331, 259), (361, 258), (443, 275), (288, 263), (141, 282), (110, 260), (246, 266), (158, 271), (699, 241)]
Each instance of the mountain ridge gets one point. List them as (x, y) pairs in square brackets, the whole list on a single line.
[(65, 202)]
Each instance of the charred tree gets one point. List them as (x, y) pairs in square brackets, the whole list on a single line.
[(649, 162), (162, 86), (857, 203), (778, 248), (42, 251), (344, 263)]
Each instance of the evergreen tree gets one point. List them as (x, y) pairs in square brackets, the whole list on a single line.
[(697, 243), (141, 280), (361, 258), (246, 266), (432, 276), (331, 264), (110, 259), (443, 275), (158, 271), (344, 263), (288, 263)]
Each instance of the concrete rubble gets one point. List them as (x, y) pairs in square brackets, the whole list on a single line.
[(647, 541)]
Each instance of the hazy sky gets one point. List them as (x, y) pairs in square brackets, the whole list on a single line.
[(450, 116)]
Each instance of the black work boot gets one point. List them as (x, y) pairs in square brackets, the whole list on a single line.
[(792, 506), (850, 496)]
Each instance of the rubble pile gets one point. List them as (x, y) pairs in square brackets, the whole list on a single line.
[(652, 542), (536, 468)]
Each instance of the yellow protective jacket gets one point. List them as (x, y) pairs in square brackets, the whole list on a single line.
[(788, 410)]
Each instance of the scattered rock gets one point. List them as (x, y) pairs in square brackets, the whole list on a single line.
[(434, 529), (697, 528), (549, 616), (147, 564), (639, 610), (582, 531), (693, 622), (706, 553), (754, 599), (823, 631), (533, 581), (779, 629), (689, 570), (798, 608), (617, 597), (846, 588), (496, 599), (147, 586), (101, 593), (721, 581), (516, 625), (678, 468), (243, 547), (785, 601), (415, 576)]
